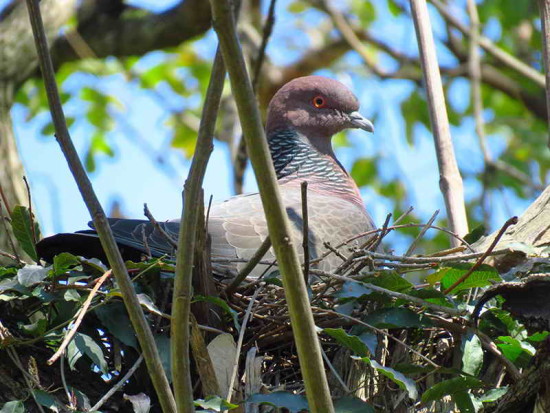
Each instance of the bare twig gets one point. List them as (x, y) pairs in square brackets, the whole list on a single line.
[(252, 263), (117, 386), (421, 233), (8, 234), (511, 221), (5, 201), (450, 180), (157, 226), (31, 216), (395, 294), (305, 231), (544, 6), (79, 318), (303, 325), (143, 332), (192, 195)]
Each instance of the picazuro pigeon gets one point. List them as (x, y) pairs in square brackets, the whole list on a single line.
[(301, 120)]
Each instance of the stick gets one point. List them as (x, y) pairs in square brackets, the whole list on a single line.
[(305, 231), (303, 325), (143, 332), (192, 195), (511, 221), (450, 180)]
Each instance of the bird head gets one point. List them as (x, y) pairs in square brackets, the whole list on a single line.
[(317, 107)]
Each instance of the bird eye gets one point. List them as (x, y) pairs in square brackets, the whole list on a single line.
[(319, 102)]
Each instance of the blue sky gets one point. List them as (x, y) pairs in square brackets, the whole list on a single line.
[(133, 179)]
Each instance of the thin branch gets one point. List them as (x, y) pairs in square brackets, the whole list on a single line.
[(450, 180), (303, 325), (143, 332), (305, 231), (511, 221), (79, 318), (117, 386), (157, 226), (31, 216), (189, 223), (544, 6), (421, 233), (251, 264)]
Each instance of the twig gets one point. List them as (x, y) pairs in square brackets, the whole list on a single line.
[(379, 331), (335, 373), (81, 314), (157, 226), (421, 234), (119, 384), (31, 217), (495, 51), (544, 6), (8, 234), (240, 342), (11, 256), (511, 221), (5, 201), (436, 307), (143, 331), (450, 181), (64, 383), (305, 231), (429, 259), (268, 29), (192, 195), (303, 325), (251, 264)]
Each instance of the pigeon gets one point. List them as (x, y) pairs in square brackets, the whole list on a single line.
[(302, 117)]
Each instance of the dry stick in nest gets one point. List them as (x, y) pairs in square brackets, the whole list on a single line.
[(139, 322), (431, 259), (421, 234), (395, 294), (251, 264), (79, 318), (511, 221)]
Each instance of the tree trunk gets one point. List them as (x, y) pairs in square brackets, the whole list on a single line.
[(17, 62)]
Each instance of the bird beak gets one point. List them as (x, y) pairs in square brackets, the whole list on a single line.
[(358, 121)]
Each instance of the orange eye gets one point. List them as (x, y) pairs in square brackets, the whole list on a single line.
[(319, 102)]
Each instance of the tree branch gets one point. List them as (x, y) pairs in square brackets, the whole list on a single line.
[(303, 325), (108, 242), (450, 180)]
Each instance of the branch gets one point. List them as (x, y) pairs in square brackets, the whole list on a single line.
[(303, 325), (133, 31), (544, 6), (181, 369), (108, 242), (450, 180)]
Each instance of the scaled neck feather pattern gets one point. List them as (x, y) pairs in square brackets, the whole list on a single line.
[(295, 158)]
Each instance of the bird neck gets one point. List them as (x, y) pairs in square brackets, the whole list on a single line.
[(296, 157)]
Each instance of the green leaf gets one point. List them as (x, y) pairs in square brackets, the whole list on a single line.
[(350, 404), (47, 400), (364, 171), (430, 295), (163, 345), (215, 403), (493, 395), (293, 402), (464, 402), (15, 406), (513, 349), (31, 274), (22, 226), (35, 329), (398, 378), (390, 281), (146, 302), (115, 319), (222, 304), (475, 234), (481, 277), (451, 387), (86, 345), (64, 262), (472, 354), (396, 318), (352, 342), (352, 289)]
